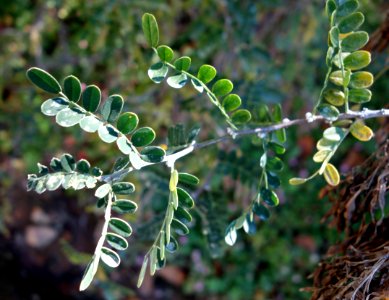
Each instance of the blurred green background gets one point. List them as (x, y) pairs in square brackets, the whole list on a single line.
[(272, 50)]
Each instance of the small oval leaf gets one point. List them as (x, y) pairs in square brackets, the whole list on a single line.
[(158, 72), (165, 53), (222, 87), (153, 154), (241, 116), (108, 133), (110, 257), (120, 227), (116, 241), (355, 41), (127, 122), (184, 198), (123, 188), (150, 29), (143, 137), (183, 63), (91, 98), (351, 22), (43, 80), (112, 108), (329, 112), (334, 97), (357, 60), (359, 95), (331, 175), (72, 88), (188, 179), (124, 206), (206, 73), (53, 106), (269, 197), (90, 124)]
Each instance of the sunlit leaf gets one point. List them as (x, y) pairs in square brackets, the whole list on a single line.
[(241, 116), (360, 131), (177, 81), (158, 72), (53, 106), (69, 117), (150, 29), (206, 73), (116, 241), (231, 102), (112, 108), (331, 175), (222, 87), (329, 112), (110, 257)]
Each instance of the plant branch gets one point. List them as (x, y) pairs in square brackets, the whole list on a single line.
[(363, 114)]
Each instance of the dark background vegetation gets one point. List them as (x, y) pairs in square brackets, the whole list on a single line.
[(272, 50)]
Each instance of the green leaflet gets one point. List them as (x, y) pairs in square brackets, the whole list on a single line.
[(91, 98), (43, 80), (112, 108), (222, 87), (150, 29), (72, 88), (127, 122), (143, 137)]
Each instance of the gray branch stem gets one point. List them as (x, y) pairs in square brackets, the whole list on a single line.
[(233, 134)]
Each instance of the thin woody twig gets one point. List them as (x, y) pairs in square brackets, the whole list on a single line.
[(232, 134)]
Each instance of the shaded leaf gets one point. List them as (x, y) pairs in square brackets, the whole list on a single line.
[(206, 73), (183, 63), (127, 122), (347, 8), (124, 206), (91, 98), (143, 137), (123, 188), (241, 116), (351, 22), (83, 166), (90, 124), (222, 87), (231, 102), (43, 80), (329, 112), (334, 134), (331, 175), (355, 41), (153, 154), (269, 197), (179, 227), (120, 227), (261, 211), (72, 88), (184, 198), (188, 179)]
